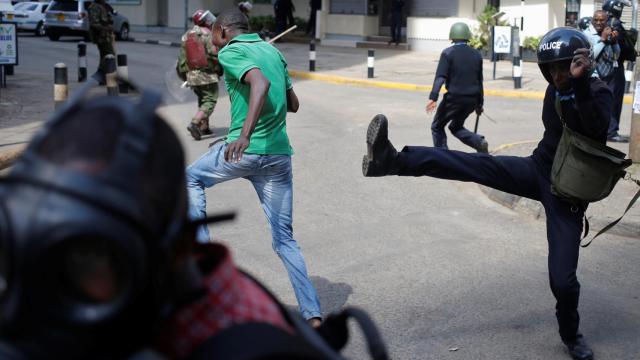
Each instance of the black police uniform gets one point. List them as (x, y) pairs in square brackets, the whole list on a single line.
[(617, 82), (587, 112), (460, 69)]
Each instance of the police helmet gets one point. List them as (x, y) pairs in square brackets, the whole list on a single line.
[(459, 31), (560, 44), (584, 22), (614, 7)]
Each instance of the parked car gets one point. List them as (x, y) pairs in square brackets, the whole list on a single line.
[(5, 7), (29, 16), (71, 17)]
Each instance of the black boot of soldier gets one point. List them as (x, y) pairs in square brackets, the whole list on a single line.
[(381, 155), (578, 349)]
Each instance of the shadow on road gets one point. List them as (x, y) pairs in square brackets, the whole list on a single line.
[(333, 296)]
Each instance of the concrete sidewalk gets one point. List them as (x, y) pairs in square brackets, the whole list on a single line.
[(398, 66)]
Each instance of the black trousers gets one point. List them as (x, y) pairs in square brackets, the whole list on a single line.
[(616, 84), (521, 176), (396, 27), (454, 110)]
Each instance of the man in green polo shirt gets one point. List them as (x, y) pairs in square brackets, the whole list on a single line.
[(257, 147)]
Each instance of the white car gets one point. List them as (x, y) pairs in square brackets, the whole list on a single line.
[(29, 16)]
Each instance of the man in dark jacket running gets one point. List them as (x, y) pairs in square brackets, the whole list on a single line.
[(460, 70)]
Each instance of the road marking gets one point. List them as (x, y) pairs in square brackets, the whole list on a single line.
[(509, 145)]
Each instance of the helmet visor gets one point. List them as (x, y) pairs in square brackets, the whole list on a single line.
[(207, 18)]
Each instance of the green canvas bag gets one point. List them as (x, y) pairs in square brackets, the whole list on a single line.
[(585, 170)]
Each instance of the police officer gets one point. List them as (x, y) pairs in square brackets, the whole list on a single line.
[(460, 70), (627, 52), (584, 23), (198, 65), (101, 32), (584, 103)]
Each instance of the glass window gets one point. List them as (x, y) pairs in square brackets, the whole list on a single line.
[(572, 13), (65, 6), (349, 7)]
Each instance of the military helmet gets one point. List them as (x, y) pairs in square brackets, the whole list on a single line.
[(559, 44), (584, 23), (203, 18), (459, 31), (614, 7)]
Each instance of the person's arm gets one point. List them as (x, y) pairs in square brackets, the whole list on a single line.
[(441, 77), (292, 101), (593, 100), (259, 86)]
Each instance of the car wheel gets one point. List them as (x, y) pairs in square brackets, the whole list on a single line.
[(41, 30), (53, 36), (124, 33)]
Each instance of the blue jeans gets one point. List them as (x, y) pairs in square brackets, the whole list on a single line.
[(271, 176)]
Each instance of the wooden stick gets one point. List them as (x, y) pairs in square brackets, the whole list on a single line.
[(8, 157), (283, 33)]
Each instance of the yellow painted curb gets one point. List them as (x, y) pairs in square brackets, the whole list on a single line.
[(506, 146), (343, 80)]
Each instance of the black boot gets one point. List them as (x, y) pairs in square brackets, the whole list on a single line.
[(381, 155), (578, 349), (483, 147), (195, 132)]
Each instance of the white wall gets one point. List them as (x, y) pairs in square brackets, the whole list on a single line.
[(357, 25), (432, 34), (144, 14)]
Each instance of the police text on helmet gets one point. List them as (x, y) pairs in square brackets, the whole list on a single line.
[(551, 45)]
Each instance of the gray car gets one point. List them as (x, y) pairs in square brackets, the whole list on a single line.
[(71, 17)]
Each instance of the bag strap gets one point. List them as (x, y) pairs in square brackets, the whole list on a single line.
[(615, 222), (336, 332)]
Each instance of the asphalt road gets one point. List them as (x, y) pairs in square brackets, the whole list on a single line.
[(438, 265)]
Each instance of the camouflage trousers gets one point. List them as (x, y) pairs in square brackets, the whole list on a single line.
[(207, 97), (105, 48)]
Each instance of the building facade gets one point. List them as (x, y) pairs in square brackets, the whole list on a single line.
[(426, 23)]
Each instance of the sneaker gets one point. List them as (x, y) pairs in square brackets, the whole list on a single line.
[(618, 138), (194, 130), (484, 147), (381, 154), (579, 350)]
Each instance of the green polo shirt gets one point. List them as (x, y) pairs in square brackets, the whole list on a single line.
[(243, 53)]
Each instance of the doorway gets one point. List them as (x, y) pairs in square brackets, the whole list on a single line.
[(385, 13)]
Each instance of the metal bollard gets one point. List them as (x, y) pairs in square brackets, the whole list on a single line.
[(82, 61), (60, 85), (111, 75), (370, 62), (312, 55), (123, 73), (517, 72), (628, 76)]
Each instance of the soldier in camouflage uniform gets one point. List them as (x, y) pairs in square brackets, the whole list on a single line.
[(203, 81), (101, 31)]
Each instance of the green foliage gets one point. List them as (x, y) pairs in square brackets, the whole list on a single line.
[(259, 23), (531, 42), (480, 38), (302, 24)]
